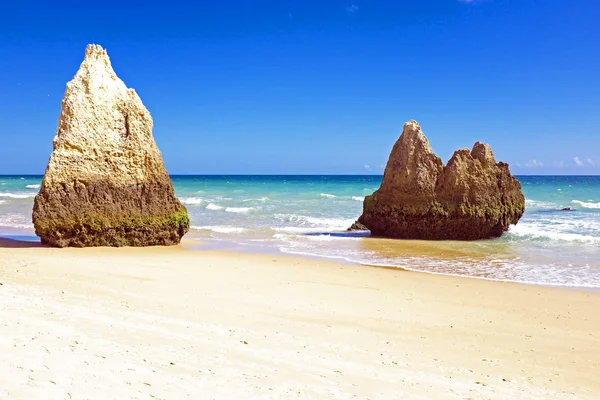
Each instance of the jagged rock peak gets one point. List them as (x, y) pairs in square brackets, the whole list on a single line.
[(96, 63), (412, 165), (95, 50), (483, 153)]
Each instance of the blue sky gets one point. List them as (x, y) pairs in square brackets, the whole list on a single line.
[(312, 87)]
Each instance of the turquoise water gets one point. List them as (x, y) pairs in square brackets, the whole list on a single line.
[(307, 215)]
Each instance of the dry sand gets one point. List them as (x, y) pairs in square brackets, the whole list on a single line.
[(173, 323)]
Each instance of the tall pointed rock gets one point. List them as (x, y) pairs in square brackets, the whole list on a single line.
[(106, 184)]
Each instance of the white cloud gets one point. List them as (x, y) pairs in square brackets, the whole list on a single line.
[(351, 9), (367, 166), (591, 162), (534, 164), (577, 161)]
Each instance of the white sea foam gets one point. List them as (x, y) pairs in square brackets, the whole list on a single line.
[(33, 186), (539, 204), (587, 204), (505, 270), (2, 201), (220, 229), (18, 226), (568, 223), (263, 199), (329, 196), (306, 224), (240, 210), (15, 221), (321, 238), (297, 229), (17, 195), (191, 200), (303, 219), (358, 198), (290, 236), (532, 231)]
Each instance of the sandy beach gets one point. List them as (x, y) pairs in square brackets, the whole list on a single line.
[(172, 323)]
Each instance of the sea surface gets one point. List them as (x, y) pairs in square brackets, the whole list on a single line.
[(308, 215)]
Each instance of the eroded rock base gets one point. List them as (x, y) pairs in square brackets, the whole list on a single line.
[(100, 214)]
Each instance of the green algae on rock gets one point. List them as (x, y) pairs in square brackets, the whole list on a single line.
[(470, 198), (106, 184)]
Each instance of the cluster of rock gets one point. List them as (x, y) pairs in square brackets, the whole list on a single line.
[(106, 184), (472, 197)]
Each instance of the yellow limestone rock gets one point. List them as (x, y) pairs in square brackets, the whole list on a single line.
[(106, 184)]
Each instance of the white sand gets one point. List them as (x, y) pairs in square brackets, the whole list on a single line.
[(174, 324)]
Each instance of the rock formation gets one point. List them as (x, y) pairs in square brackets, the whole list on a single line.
[(357, 226), (106, 184), (472, 197)]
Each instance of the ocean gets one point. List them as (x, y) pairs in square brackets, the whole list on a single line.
[(308, 215)]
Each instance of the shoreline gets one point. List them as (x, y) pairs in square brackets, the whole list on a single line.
[(212, 244), (233, 247), (239, 325)]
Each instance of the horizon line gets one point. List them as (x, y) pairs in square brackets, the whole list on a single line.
[(216, 174)]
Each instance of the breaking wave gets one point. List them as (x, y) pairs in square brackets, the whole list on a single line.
[(191, 200), (17, 195), (587, 204), (306, 224), (220, 229), (531, 231), (240, 210), (263, 199)]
